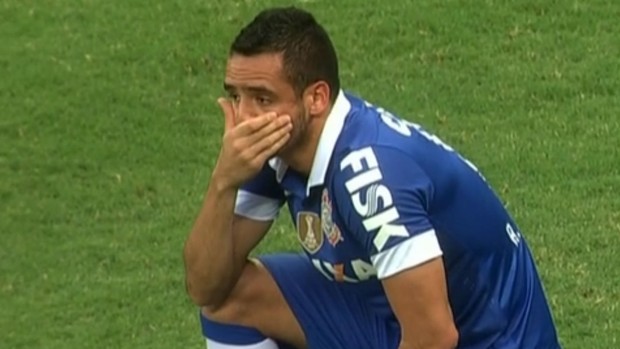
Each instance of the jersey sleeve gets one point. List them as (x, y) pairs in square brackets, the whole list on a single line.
[(261, 197), (383, 196)]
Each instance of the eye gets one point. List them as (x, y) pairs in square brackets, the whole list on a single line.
[(234, 97), (262, 100)]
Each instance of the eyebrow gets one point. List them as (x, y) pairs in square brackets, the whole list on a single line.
[(258, 89)]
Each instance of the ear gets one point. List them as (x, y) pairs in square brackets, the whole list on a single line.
[(316, 98)]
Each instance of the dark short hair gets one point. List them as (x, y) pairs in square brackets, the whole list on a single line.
[(308, 53)]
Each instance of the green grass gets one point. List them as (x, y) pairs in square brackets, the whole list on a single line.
[(109, 129)]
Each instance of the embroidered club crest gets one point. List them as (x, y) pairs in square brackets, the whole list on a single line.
[(309, 231), (329, 228)]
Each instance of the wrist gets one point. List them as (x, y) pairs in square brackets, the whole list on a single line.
[(222, 183)]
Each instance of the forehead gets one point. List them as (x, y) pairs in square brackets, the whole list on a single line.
[(259, 69)]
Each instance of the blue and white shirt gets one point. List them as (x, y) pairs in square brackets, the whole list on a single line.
[(384, 195)]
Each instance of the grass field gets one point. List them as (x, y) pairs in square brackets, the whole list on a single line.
[(109, 129)]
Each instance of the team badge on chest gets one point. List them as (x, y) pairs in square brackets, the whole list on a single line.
[(309, 231), (329, 228)]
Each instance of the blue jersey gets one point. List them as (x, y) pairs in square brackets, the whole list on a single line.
[(384, 195)]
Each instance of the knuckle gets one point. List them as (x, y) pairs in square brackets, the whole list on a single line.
[(256, 124), (237, 146), (246, 156), (256, 163)]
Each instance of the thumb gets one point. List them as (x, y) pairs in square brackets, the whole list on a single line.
[(229, 113)]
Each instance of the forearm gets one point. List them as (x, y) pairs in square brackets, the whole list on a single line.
[(210, 266), (423, 288), (443, 335), (439, 343)]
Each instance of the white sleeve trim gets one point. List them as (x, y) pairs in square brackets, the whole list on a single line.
[(257, 207), (264, 344), (408, 254)]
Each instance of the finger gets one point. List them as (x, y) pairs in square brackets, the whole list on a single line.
[(253, 125), (265, 143), (275, 146), (268, 129), (263, 138), (249, 132), (229, 113)]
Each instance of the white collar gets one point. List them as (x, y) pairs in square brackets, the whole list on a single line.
[(327, 141)]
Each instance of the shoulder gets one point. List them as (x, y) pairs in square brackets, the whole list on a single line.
[(372, 125)]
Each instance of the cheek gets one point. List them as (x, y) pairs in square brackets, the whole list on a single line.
[(287, 109), (300, 124)]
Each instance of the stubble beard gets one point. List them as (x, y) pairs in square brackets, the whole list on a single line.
[(298, 134)]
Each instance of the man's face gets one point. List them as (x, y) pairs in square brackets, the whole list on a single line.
[(257, 85)]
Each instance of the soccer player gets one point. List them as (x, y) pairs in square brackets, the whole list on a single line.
[(405, 244)]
